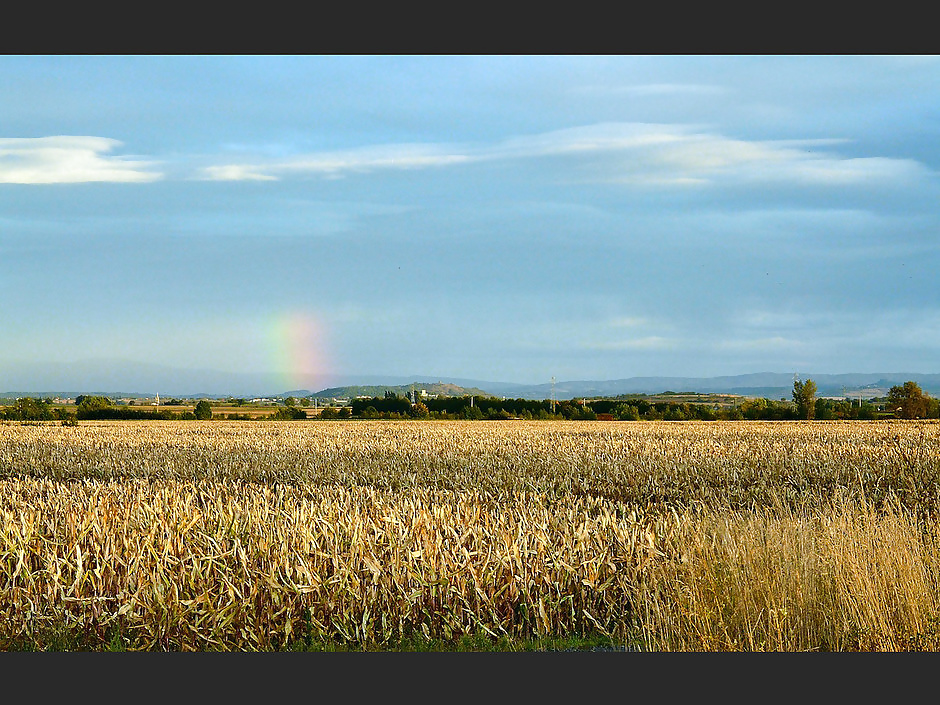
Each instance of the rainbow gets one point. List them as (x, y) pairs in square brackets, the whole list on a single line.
[(298, 348)]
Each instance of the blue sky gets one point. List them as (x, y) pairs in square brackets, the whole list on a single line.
[(249, 224)]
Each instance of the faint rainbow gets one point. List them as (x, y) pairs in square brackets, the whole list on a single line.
[(298, 343)]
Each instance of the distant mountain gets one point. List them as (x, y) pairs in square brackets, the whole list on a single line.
[(772, 385), (98, 378), (761, 384), (440, 389)]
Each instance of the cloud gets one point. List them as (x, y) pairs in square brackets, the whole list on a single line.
[(68, 160), (682, 155), (627, 153), (650, 342), (236, 172), (338, 163)]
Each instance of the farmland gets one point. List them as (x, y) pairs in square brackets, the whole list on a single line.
[(229, 535)]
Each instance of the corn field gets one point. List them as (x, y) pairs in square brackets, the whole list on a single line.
[(227, 535)]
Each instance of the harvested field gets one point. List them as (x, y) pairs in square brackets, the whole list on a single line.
[(268, 535)]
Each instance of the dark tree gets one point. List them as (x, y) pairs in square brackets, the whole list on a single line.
[(804, 396), (84, 401), (908, 401), (289, 413), (28, 409), (203, 410)]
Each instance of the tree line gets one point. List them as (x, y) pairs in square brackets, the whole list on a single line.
[(905, 401), (97, 408)]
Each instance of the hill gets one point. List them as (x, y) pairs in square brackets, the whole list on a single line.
[(772, 385), (439, 389)]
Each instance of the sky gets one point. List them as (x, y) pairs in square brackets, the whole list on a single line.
[(251, 224)]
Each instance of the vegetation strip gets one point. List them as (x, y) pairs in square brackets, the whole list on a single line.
[(383, 535)]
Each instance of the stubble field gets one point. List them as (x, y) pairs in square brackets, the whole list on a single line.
[(226, 535)]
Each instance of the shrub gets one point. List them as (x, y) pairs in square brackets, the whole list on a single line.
[(289, 413)]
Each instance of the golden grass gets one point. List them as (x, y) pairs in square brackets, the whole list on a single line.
[(691, 536), (781, 581)]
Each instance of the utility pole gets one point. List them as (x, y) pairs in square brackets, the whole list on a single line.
[(553, 395)]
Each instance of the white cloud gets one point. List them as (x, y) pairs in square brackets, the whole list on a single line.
[(836, 171), (236, 172), (650, 342), (599, 138), (68, 160), (338, 163), (629, 153), (678, 155)]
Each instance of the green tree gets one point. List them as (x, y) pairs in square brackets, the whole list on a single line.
[(91, 406), (89, 403), (29, 409), (289, 413), (627, 412), (804, 396), (933, 408), (825, 410), (203, 410), (474, 413), (908, 401)]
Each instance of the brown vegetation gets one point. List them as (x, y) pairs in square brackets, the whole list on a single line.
[(701, 536)]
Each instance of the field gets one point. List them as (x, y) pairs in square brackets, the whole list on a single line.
[(712, 536)]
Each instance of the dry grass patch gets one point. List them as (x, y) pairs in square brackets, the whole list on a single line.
[(249, 536)]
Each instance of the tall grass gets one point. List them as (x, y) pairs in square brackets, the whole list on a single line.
[(847, 580), (682, 536)]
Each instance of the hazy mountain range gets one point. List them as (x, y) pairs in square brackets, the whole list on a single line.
[(762, 384), (77, 378)]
